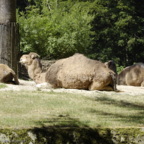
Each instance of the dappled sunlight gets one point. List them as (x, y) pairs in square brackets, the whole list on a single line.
[(42, 108)]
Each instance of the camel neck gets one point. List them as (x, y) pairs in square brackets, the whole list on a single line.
[(35, 69)]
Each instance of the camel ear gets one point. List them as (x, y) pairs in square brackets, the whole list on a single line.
[(34, 55)]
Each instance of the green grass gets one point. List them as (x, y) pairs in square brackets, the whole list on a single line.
[(37, 109), (2, 85)]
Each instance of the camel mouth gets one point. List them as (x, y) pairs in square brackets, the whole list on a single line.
[(22, 61)]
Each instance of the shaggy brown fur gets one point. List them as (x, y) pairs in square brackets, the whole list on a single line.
[(32, 63), (7, 75), (80, 72), (132, 75)]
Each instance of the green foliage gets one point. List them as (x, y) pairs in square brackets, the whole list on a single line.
[(119, 68), (56, 30), (101, 29), (119, 31)]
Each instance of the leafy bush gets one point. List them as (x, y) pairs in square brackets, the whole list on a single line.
[(119, 68), (56, 31)]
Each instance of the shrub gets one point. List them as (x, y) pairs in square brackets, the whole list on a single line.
[(56, 31)]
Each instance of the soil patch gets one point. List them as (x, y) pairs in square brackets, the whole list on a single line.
[(26, 85)]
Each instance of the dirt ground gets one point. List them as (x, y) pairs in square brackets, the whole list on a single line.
[(31, 86)]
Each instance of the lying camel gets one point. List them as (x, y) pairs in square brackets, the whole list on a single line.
[(7, 75), (80, 72), (32, 63), (132, 75), (75, 72)]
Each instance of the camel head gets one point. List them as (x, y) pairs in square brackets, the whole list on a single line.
[(27, 59), (32, 63), (111, 65)]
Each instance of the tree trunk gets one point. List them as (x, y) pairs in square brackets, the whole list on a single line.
[(9, 43)]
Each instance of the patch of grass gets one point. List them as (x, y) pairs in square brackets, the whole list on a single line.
[(36, 109), (2, 85)]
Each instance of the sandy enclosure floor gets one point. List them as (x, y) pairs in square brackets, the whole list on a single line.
[(31, 86)]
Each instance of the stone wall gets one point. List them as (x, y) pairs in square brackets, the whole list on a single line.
[(59, 135)]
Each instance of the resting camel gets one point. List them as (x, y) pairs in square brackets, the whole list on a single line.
[(7, 75), (132, 75), (80, 72), (75, 72), (32, 63)]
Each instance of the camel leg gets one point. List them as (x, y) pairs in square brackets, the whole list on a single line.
[(142, 84), (99, 86), (16, 81), (44, 85), (108, 88)]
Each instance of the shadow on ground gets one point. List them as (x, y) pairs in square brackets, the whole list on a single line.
[(135, 118)]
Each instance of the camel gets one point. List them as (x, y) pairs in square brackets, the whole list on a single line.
[(75, 72), (80, 72), (33, 65), (7, 75), (132, 75)]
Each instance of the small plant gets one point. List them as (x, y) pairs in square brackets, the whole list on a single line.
[(119, 68)]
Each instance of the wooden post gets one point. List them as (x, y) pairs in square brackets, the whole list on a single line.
[(9, 43)]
